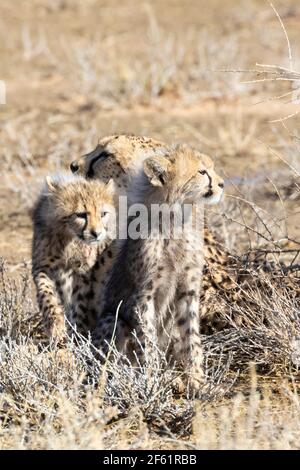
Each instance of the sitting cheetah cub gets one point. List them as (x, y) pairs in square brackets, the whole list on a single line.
[(156, 276), (74, 222)]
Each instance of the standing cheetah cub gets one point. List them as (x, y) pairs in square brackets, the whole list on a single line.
[(155, 275), (74, 223)]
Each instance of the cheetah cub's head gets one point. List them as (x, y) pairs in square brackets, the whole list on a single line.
[(85, 209), (185, 175)]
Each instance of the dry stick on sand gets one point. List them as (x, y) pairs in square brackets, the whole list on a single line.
[(275, 73)]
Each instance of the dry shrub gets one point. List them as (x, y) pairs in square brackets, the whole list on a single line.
[(262, 325), (52, 398), (54, 395)]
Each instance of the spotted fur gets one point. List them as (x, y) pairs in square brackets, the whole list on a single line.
[(73, 223), (154, 276), (121, 157)]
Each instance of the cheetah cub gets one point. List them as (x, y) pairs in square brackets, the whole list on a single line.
[(74, 223), (158, 276)]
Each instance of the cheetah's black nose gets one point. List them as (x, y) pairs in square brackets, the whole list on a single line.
[(95, 234), (74, 166)]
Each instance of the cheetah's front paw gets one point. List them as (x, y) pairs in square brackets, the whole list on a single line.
[(57, 332), (178, 386)]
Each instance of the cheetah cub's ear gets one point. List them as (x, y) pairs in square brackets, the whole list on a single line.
[(51, 184), (157, 170)]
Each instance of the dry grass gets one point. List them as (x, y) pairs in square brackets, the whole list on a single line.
[(53, 398)]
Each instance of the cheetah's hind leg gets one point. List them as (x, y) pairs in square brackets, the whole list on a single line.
[(191, 353), (110, 335)]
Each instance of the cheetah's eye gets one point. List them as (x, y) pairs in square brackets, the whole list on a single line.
[(81, 215), (202, 172), (102, 156)]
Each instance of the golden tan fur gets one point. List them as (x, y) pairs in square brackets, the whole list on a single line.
[(74, 224), (120, 157), (117, 157), (154, 276)]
